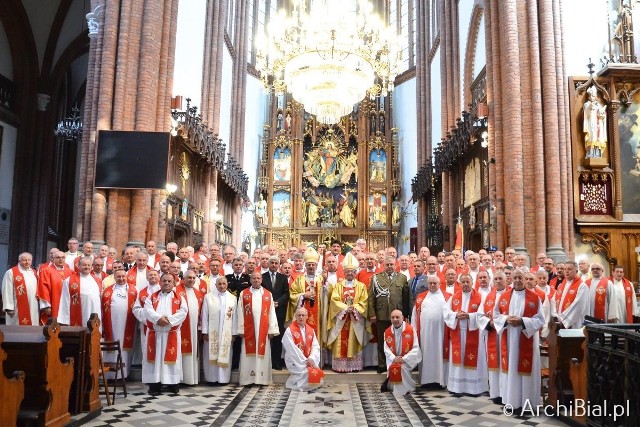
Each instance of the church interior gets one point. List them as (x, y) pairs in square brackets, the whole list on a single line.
[(446, 124)]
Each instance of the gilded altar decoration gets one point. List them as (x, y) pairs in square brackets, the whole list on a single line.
[(281, 209), (185, 170), (328, 164), (377, 209), (282, 164), (377, 166)]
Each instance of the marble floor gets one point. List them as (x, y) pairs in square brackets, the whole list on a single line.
[(332, 405)]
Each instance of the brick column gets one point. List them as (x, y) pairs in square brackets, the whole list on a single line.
[(512, 129), (130, 70), (494, 118)]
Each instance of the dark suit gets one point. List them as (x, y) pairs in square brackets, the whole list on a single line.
[(381, 306), (237, 285), (416, 287), (280, 292)]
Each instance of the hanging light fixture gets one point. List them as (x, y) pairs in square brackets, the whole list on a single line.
[(330, 56), (70, 128)]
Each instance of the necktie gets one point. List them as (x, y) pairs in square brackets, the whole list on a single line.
[(413, 285), (273, 278)]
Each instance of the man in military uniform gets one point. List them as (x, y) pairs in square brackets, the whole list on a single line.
[(388, 291)]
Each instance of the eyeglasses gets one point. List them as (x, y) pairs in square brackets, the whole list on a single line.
[(595, 269)]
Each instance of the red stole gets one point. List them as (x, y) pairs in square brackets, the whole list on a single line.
[(314, 315), (600, 297), (22, 299), (365, 277), (171, 352), (473, 337), (186, 345), (419, 299), (628, 298), (75, 309), (132, 274), (107, 329), (250, 345), (306, 345), (525, 359), (571, 294), (492, 335), (395, 370)]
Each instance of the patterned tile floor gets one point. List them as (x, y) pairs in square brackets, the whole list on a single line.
[(334, 405)]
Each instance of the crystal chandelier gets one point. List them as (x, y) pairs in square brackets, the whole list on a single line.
[(328, 57)]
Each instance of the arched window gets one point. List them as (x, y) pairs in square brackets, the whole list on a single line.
[(402, 15)]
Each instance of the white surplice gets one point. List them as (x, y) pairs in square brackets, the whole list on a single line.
[(618, 304), (411, 359), (90, 300), (191, 362), (158, 371), (218, 309), (573, 316), (517, 389), (432, 368), (256, 369), (296, 361), (9, 296), (119, 308), (462, 379)]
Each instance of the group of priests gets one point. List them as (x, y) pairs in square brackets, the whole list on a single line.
[(469, 323)]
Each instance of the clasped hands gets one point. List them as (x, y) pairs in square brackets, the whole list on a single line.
[(163, 321), (461, 315), (311, 364), (515, 321), (350, 310), (398, 360)]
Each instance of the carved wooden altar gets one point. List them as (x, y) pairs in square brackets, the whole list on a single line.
[(607, 181), (321, 182)]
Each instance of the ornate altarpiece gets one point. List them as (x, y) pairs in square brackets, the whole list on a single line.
[(319, 182), (606, 181)]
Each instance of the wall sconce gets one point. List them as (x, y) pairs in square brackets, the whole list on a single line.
[(171, 188)]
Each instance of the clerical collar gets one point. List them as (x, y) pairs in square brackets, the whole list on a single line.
[(311, 277), (221, 293), (254, 289), (397, 328), (519, 290)]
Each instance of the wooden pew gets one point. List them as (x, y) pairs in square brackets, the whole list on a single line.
[(91, 399), (36, 351), (566, 348), (11, 392)]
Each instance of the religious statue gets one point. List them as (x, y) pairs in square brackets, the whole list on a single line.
[(347, 208), (378, 166), (351, 167), (261, 210), (310, 210), (327, 212), (594, 125), (287, 122), (395, 214), (279, 122), (326, 163)]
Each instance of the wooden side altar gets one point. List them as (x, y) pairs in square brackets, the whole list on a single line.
[(321, 182)]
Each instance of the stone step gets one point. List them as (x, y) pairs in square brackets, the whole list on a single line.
[(369, 376)]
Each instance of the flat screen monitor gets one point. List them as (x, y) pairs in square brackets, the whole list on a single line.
[(131, 159)]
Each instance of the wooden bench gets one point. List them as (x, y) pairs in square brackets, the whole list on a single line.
[(83, 344), (36, 351), (11, 392)]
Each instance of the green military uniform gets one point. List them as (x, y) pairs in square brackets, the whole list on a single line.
[(387, 293)]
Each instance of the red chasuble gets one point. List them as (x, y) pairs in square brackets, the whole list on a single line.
[(395, 369), (473, 337), (600, 296), (75, 310), (571, 294), (306, 345), (171, 352), (525, 360), (492, 335), (250, 345), (130, 324), (22, 299), (186, 345), (50, 289)]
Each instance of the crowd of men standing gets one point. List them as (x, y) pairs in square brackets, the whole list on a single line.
[(471, 323)]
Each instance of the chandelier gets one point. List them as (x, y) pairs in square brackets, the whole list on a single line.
[(329, 56), (70, 128)]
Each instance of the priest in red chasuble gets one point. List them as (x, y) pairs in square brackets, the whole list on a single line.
[(402, 353), (19, 288), (164, 311), (348, 328), (81, 296), (518, 312), (257, 324), (302, 354)]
